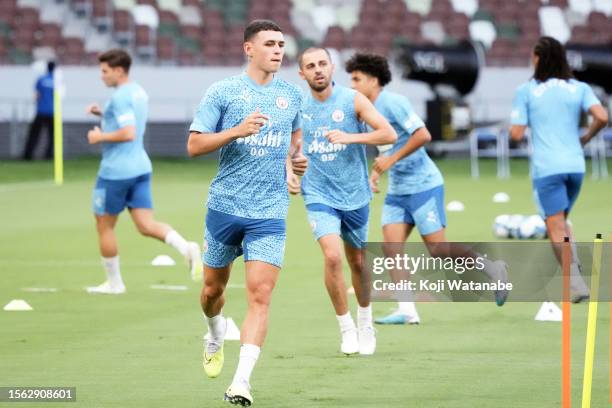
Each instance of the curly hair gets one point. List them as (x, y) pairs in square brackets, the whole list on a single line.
[(552, 62), (372, 64)]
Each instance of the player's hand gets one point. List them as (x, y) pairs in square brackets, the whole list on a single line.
[(338, 137), (293, 183), (374, 178), (383, 163), (299, 162), (94, 135), (252, 124), (94, 109)]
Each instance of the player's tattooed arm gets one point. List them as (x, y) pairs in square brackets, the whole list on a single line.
[(94, 109), (517, 132), (419, 138), (299, 162), (203, 143), (600, 120)]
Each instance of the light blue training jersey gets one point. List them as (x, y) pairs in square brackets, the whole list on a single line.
[(251, 182), (127, 106), (337, 174), (416, 172), (552, 110)]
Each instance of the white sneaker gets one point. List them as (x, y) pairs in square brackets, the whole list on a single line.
[(194, 261), (107, 289), (238, 395), (367, 340), (350, 342), (497, 271)]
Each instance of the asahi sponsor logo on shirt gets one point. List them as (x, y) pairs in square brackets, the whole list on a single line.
[(325, 147), (270, 139)]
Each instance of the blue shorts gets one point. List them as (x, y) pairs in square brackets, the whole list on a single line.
[(352, 225), (226, 237), (424, 209), (112, 196), (556, 193)]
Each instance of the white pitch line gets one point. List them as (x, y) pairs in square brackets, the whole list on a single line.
[(25, 185), (40, 290), (169, 287)]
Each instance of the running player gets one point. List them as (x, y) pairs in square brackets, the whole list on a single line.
[(416, 188), (253, 119), (336, 190), (124, 178), (551, 104)]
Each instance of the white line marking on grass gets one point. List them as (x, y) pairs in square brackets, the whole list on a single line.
[(169, 287), (40, 290), (25, 185)]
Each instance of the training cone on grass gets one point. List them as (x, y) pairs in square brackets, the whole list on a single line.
[(17, 305), (163, 260), (455, 206), (549, 312)]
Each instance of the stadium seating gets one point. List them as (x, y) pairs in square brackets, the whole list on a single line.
[(190, 32)]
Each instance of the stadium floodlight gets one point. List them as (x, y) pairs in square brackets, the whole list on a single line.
[(592, 64), (451, 71)]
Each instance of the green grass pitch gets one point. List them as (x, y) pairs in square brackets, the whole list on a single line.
[(143, 349)]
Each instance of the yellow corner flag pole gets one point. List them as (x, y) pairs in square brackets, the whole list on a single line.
[(58, 146), (589, 353)]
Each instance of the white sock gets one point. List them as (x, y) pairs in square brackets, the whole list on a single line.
[(364, 316), (249, 353), (111, 267), (346, 322), (406, 308), (177, 242), (216, 328)]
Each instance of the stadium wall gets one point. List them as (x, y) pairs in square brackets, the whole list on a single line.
[(174, 93)]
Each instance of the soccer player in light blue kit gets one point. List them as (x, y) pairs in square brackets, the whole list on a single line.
[(416, 187), (336, 189), (551, 104), (253, 119), (124, 178)]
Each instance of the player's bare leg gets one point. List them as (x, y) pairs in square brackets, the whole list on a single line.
[(394, 236), (105, 226), (361, 284), (260, 281), (336, 288), (496, 271), (558, 229), (147, 225), (212, 300)]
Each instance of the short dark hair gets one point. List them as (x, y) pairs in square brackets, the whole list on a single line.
[(372, 64), (116, 58), (256, 26), (50, 66), (552, 62), (312, 49)]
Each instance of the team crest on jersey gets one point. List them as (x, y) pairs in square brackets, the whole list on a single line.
[(338, 116), (282, 103), (313, 225)]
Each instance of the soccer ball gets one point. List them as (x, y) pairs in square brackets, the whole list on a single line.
[(514, 225), (500, 226)]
